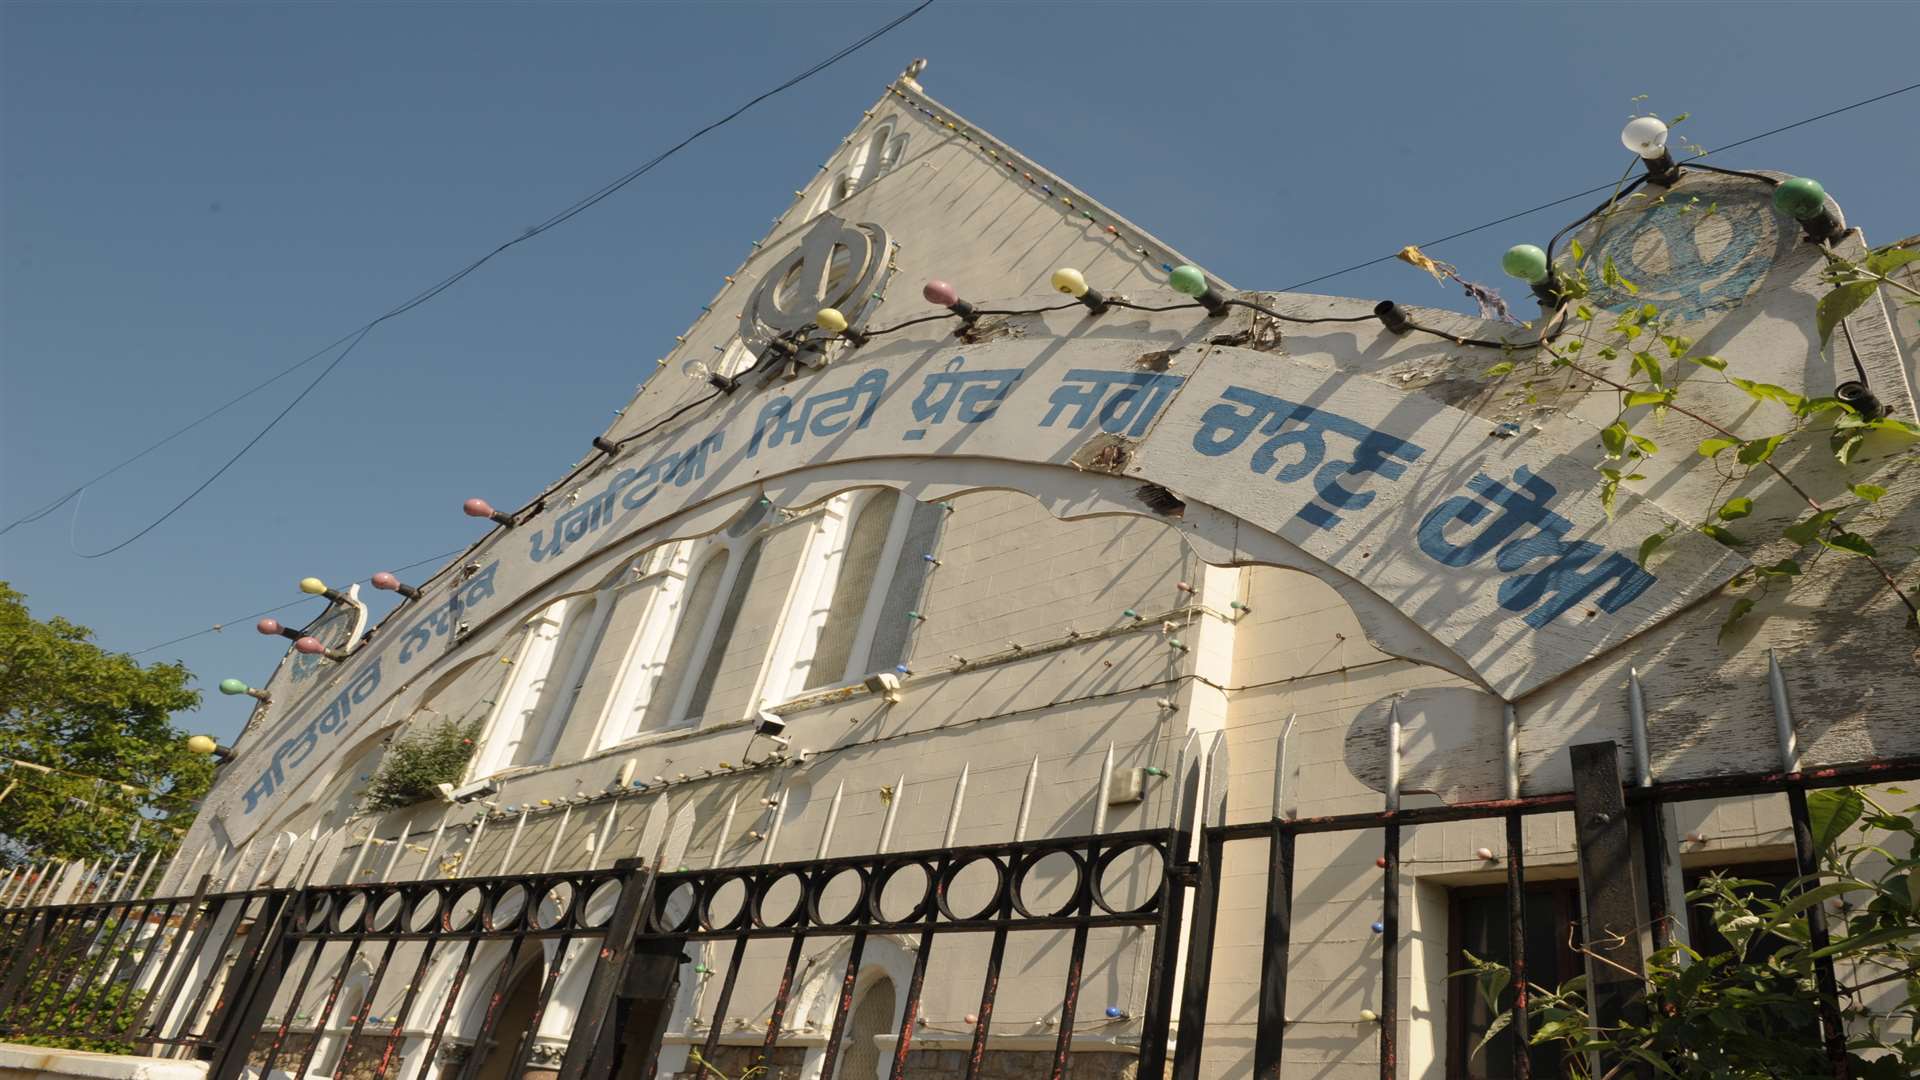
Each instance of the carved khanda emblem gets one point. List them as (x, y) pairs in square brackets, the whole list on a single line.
[(837, 265)]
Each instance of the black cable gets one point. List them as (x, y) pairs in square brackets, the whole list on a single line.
[(448, 282), (218, 627), (1612, 200), (1602, 187), (1283, 317), (1771, 181)]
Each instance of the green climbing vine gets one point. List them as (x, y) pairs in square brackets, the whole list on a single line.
[(1638, 352)]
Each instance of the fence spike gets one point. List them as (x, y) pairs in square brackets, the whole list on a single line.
[(260, 867), (1103, 785), (606, 834), (893, 809), (1280, 768), (393, 860), (773, 829), (192, 867), (553, 849), (513, 842), (473, 845), (7, 886), (1026, 800), (360, 856), (1637, 714), (959, 799), (726, 830), (1393, 756), (653, 834), (433, 846), (1782, 715), (833, 818)]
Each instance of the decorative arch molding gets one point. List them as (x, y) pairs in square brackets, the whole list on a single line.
[(1391, 467)]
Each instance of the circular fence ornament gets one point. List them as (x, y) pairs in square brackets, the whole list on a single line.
[(836, 265)]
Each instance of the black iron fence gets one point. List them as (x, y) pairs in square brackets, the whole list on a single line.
[(459, 975)]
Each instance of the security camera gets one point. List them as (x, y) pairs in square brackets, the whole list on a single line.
[(886, 684), (479, 789)]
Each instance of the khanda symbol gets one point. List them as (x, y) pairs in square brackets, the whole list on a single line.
[(837, 265)]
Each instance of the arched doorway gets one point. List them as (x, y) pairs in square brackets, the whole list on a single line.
[(515, 1019), (872, 1016)]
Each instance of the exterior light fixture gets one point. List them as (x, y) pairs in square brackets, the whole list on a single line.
[(313, 586), (206, 744), (1528, 263), (1860, 396), (1647, 136), (1190, 280), (699, 372), (481, 508), (271, 627), (235, 687), (886, 684), (386, 581), (943, 294), (833, 322), (313, 646), (605, 445), (1074, 284), (1803, 199)]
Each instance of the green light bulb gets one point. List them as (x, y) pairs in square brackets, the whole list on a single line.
[(1526, 262), (232, 686), (1800, 198), (1187, 280)]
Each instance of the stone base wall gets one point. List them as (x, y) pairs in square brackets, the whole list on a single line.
[(933, 1064)]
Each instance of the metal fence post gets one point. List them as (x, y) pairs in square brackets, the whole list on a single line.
[(629, 912), (1610, 881)]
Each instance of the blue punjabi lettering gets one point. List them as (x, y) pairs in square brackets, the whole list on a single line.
[(294, 752), (977, 394), (824, 414), (1564, 582), (1223, 428), (1124, 401)]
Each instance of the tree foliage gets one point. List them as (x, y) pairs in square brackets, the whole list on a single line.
[(417, 763), (1750, 1011), (114, 775)]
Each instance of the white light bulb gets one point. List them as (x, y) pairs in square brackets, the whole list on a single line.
[(1646, 136), (697, 370)]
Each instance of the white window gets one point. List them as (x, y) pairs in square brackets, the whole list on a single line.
[(547, 669)]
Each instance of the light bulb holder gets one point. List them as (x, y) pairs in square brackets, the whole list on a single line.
[(605, 445), (1095, 300), (1861, 397), (1662, 170), (481, 508), (1549, 292), (1393, 317), (390, 583)]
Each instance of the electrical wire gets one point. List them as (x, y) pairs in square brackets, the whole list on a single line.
[(425, 295), (1597, 190)]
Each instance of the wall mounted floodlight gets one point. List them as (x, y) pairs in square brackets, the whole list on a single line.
[(886, 684)]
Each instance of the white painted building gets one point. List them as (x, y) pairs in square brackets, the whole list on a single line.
[(1080, 557)]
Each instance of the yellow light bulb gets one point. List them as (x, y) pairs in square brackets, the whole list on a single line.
[(312, 585), (1070, 281), (830, 320), (201, 744)]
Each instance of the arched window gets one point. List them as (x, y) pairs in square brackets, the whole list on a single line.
[(546, 676), (867, 162)]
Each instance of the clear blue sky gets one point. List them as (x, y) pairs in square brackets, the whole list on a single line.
[(195, 195)]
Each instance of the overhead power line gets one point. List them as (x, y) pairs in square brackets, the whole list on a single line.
[(1595, 190), (356, 335)]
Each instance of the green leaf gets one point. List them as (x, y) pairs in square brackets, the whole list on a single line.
[(1801, 532), (1614, 438), (1756, 451), (1888, 260), (1845, 443), (1783, 568), (1649, 397), (1712, 447), (1713, 362), (1738, 612), (1831, 811), (1840, 303), (1735, 508), (1609, 490), (1862, 942), (1649, 365), (1851, 543), (1644, 445), (1869, 492), (1897, 425), (1761, 391), (1502, 368), (1677, 346), (1648, 546), (1723, 535), (1815, 406)]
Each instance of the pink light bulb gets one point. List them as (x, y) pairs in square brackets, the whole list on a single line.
[(939, 292), (384, 580), (478, 508), (971, 1018), (268, 626), (309, 645)]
